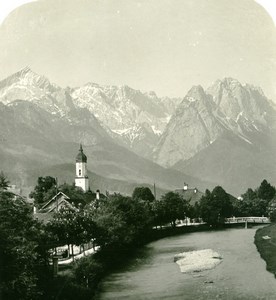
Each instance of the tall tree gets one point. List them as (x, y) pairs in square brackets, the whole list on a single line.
[(76, 194), (122, 221), (249, 195), (44, 185), (266, 191), (22, 258), (215, 206), (64, 227), (143, 193), (174, 207)]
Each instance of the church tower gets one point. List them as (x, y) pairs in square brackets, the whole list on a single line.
[(81, 179)]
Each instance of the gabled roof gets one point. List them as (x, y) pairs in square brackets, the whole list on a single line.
[(190, 195), (58, 201), (58, 195), (47, 212)]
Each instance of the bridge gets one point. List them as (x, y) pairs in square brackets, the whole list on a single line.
[(232, 220), (254, 220)]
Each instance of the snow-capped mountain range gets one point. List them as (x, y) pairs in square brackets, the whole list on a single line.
[(172, 132), (137, 119), (203, 116), (133, 118)]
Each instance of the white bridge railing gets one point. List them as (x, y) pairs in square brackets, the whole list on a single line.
[(248, 220)]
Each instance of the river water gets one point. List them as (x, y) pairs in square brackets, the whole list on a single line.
[(154, 275)]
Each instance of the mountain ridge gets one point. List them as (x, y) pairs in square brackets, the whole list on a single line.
[(118, 122)]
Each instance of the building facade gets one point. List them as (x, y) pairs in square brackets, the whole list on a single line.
[(81, 179)]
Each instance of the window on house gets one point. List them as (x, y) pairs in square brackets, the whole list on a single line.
[(79, 172)]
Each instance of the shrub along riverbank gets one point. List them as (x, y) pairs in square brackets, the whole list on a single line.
[(82, 278), (119, 225), (88, 272), (266, 246)]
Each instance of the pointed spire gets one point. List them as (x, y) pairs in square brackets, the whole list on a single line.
[(81, 147)]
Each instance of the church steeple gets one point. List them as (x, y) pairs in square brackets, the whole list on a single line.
[(81, 179), (81, 157)]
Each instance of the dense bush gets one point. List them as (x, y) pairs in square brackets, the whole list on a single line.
[(23, 255), (215, 206)]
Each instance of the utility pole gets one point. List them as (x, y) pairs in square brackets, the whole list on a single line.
[(56, 194), (154, 191)]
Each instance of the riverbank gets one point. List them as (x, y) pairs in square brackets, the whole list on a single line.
[(73, 281), (265, 240), (153, 274)]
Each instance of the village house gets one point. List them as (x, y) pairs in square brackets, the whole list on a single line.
[(192, 195)]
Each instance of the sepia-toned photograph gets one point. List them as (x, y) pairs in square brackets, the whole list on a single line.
[(137, 149)]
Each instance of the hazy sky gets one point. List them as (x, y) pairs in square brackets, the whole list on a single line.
[(161, 45)]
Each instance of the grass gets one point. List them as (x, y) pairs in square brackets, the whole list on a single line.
[(267, 248)]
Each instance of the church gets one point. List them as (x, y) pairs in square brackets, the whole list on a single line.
[(81, 179), (60, 200)]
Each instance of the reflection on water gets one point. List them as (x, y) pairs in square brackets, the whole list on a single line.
[(154, 275)]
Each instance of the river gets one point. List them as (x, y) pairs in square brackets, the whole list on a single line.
[(154, 275)]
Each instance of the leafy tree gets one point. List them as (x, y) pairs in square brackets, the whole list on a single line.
[(272, 216), (121, 221), (85, 226), (215, 206), (174, 207), (249, 195), (22, 256), (72, 227), (242, 208), (222, 198), (4, 183), (194, 211), (258, 207), (88, 272), (44, 186), (159, 213), (255, 203), (266, 191), (76, 194), (143, 193), (64, 227)]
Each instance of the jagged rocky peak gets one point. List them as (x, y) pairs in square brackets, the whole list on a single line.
[(192, 128), (196, 93), (204, 116), (124, 91), (27, 77), (197, 90), (231, 83), (92, 84), (29, 86), (238, 100), (232, 88), (25, 70), (196, 98)]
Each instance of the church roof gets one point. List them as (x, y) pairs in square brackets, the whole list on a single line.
[(81, 157)]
